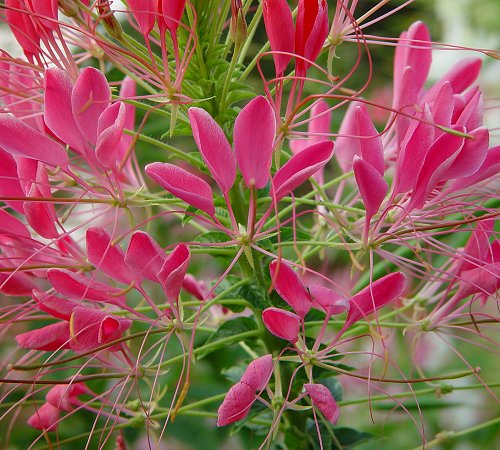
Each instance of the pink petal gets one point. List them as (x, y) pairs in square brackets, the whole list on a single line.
[(89, 99), (253, 135), (437, 161), (10, 225), (107, 257), (184, 185), (258, 373), (323, 399), (346, 144), (373, 297), (9, 181), (46, 8), (194, 287), (57, 307), (442, 108), (372, 186), (15, 284), (64, 396), (300, 167), (144, 12), (280, 31), (20, 139), (290, 287), (477, 249), (371, 150), (481, 280), (144, 256), (214, 147), (172, 273), (50, 338), (78, 287), (109, 130), (171, 14), (236, 404), (58, 115), (282, 324), (21, 26), (472, 115), (328, 299), (45, 418)]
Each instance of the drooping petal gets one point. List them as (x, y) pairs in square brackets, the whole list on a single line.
[(300, 167), (144, 12), (373, 297), (171, 13), (109, 132), (19, 21), (370, 144), (172, 273), (45, 418), (280, 31), (144, 256), (20, 139), (184, 185), (58, 113), (78, 287), (10, 185), (195, 287), (236, 404), (258, 373), (254, 131), (107, 257), (329, 300), (323, 399), (50, 338), (65, 396), (290, 287), (214, 147), (282, 324), (89, 99), (57, 307), (372, 186)]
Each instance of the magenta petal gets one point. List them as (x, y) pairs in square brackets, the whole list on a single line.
[(329, 300), (214, 147), (145, 12), (184, 185), (144, 256), (22, 27), (258, 373), (10, 185), (89, 99), (172, 273), (194, 287), (20, 139), (300, 167), (107, 257), (253, 135), (15, 284), (280, 31), (50, 338), (45, 418), (378, 294), (281, 323), (290, 287), (236, 404), (10, 225), (477, 250), (58, 114), (78, 287), (110, 130), (171, 13), (55, 306), (64, 396), (372, 186), (323, 399), (371, 150), (347, 144)]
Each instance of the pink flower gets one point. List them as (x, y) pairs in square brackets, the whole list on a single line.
[(282, 324)]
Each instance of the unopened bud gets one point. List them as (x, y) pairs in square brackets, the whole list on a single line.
[(68, 8), (109, 21), (238, 27)]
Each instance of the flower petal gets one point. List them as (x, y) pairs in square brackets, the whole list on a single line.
[(323, 399), (144, 256), (281, 323), (258, 373), (236, 404)]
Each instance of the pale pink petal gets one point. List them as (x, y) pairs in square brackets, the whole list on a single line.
[(50, 338), (45, 418), (323, 399), (20, 139), (144, 256), (290, 287), (184, 185), (280, 31), (329, 300), (194, 287), (373, 297), (258, 373), (254, 131), (236, 404), (89, 99), (372, 186), (300, 167), (172, 273), (347, 144), (282, 324), (110, 129), (58, 114), (107, 257), (214, 147)]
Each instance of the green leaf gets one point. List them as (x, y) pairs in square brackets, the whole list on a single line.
[(187, 217), (213, 237), (230, 328), (349, 437), (333, 385), (287, 235), (254, 293)]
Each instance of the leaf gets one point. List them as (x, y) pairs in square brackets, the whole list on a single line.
[(228, 329), (349, 437), (333, 385), (212, 237), (190, 210), (254, 293)]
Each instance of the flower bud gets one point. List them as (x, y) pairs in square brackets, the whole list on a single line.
[(109, 21), (238, 27)]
